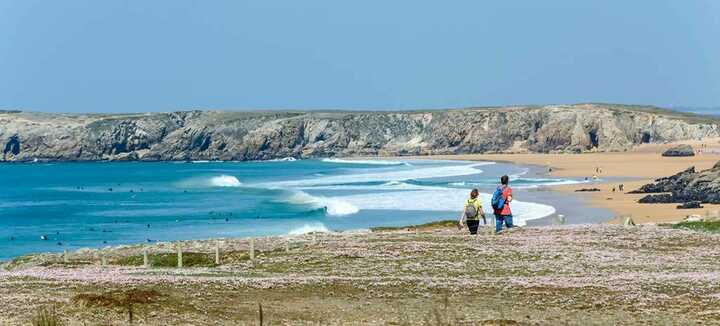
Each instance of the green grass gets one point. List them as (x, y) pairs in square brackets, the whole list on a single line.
[(17, 261), (436, 224), (190, 259), (706, 226), (43, 317)]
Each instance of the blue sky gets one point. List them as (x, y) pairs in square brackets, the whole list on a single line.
[(133, 56)]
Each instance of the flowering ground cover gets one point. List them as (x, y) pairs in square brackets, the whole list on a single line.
[(577, 275)]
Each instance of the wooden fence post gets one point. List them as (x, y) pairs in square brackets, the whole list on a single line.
[(66, 259), (146, 260), (252, 248), (103, 261), (217, 253), (287, 245), (179, 256)]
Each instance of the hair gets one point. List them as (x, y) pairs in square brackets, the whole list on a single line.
[(474, 193), (504, 180)]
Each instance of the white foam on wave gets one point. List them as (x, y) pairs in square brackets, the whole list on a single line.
[(284, 159), (225, 181), (309, 228), (366, 162), (391, 185), (386, 176), (442, 199), (519, 174), (334, 205)]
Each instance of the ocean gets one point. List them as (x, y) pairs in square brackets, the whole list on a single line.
[(49, 207)]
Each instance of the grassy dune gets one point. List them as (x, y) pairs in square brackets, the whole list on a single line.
[(577, 275)]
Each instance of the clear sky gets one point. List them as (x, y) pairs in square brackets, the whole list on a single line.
[(163, 55)]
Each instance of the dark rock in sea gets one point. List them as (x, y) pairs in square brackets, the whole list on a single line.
[(587, 190), (690, 205), (686, 186), (679, 151)]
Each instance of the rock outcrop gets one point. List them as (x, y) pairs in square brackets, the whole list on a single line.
[(588, 190), (679, 151), (216, 135), (685, 187), (690, 205)]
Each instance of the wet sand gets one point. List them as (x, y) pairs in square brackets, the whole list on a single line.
[(633, 168)]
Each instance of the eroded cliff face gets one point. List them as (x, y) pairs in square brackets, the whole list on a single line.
[(216, 135)]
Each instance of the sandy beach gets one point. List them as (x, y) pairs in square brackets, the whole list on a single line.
[(633, 169)]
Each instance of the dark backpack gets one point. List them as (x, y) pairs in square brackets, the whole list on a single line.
[(498, 201), (471, 212)]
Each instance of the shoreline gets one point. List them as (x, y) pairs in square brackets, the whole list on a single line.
[(634, 168), (538, 215), (615, 171)]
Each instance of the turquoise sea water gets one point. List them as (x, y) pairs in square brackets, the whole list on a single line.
[(79, 205)]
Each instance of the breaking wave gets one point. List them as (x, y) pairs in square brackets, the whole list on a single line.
[(225, 181), (387, 176), (333, 206), (284, 159)]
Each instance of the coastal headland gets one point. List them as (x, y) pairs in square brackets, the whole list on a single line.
[(620, 144), (653, 273), (242, 136)]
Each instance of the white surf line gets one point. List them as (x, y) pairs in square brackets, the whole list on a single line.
[(380, 176), (365, 162), (441, 199)]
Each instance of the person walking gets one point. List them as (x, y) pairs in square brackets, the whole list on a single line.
[(472, 211), (502, 197)]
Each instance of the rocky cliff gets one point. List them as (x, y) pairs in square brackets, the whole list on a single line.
[(223, 135)]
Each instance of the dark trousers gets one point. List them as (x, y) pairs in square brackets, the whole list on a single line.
[(473, 226)]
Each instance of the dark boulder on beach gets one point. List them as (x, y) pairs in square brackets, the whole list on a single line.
[(679, 151), (587, 190), (690, 205), (686, 186), (657, 199)]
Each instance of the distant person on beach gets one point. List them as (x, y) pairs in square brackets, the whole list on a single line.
[(501, 204), (472, 211)]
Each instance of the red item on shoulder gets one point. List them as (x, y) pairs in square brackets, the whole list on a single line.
[(507, 192)]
